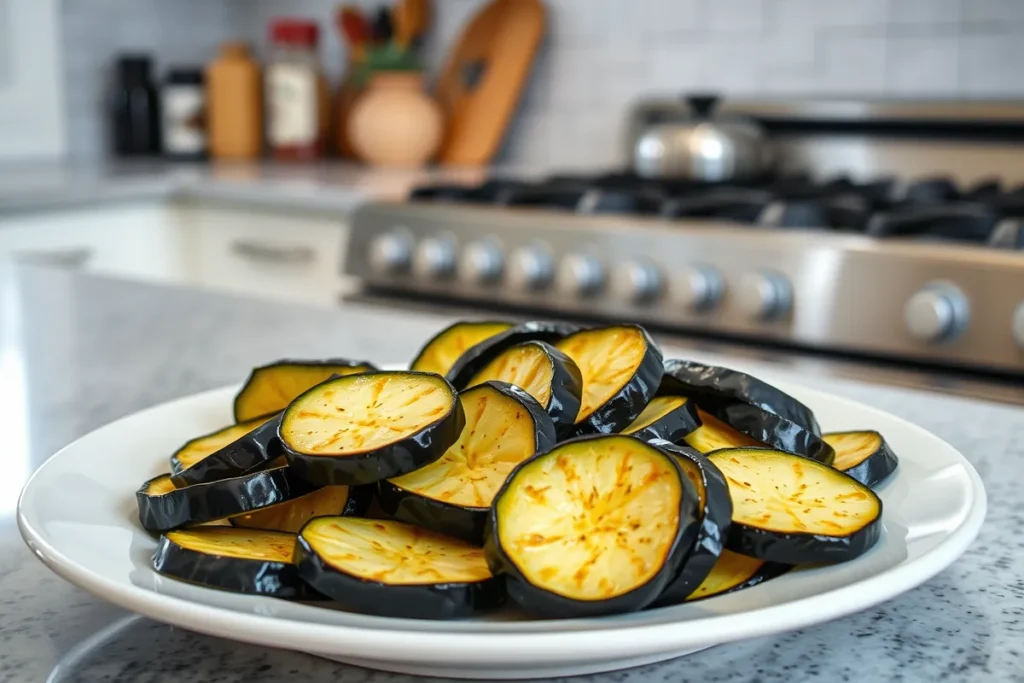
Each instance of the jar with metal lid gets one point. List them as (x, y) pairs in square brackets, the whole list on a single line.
[(296, 91)]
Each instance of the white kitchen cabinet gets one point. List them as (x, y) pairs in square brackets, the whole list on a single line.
[(139, 240), (275, 254)]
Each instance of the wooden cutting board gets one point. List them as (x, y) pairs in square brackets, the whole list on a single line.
[(484, 77)]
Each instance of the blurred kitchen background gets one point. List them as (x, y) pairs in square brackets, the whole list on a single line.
[(838, 182)]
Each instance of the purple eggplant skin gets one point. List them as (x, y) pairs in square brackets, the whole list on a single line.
[(400, 457), (475, 358), (465, 523), (422, 601), (238, 406), (566, 388), (802, 548), (250, 577), (715, 521), (217, 500), (772, 430), (620, 410), (877, 467), (673, 426), (248, 453), (697, 380), (766, 572), (543, 603)]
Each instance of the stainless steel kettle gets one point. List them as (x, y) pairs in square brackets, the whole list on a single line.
[(704, 147)]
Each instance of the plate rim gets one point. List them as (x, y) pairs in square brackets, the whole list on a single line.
[(426, 646)]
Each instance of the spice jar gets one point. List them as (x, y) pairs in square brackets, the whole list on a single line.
[(295, 92), (184, 114), (234, 93)]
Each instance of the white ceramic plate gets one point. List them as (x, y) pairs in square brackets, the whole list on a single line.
[(78, 514)]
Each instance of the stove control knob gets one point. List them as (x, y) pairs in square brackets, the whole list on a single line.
[(391, 253), (1018, 325), (636, 281), (434, 258), (580, 275), (937, 313), (765, 295), (530, 269), (481, 263), (699, 288)]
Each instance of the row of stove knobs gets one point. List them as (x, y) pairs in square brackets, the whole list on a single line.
[(937, 313), (763, 295)]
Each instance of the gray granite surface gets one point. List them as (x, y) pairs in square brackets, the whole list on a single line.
[(333, 187), (86, 351)]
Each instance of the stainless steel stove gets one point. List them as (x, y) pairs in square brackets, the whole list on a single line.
[(889, 230)]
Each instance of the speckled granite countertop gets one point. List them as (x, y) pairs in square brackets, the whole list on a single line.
[(77, 352), (307, 187)]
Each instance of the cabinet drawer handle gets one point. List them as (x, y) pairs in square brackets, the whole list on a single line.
[(59, 258), (271, 253)]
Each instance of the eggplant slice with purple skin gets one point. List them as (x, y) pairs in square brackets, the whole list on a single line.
[(864, 455), (714, 434), (447, 346), (270, 388), (249, 561), (699, 381), (596, 525), (621, 367), (363, 428), (476, 358), (163, 506), (250, 452), (793, 510), (715, 514), (734, 572), (670, 418), (749, 406), (394, 569), (452, 496), (545, 373), (200, 447), (291, 516)]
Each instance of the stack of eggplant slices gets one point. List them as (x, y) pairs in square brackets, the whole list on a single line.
[(573, 472)]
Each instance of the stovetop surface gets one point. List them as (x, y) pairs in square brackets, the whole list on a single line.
[(925, 209)]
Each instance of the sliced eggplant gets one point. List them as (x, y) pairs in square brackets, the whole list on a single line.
[(714, 434), (364, 428), (440, 353), (596, 525), (621, 368), (666, 417), (396, 570), (163, 506), (543, 372), (348, 501), (476, 358), (504, 426), (252, 451), (793, 510), (864, 455), (195, 450), (238, 560), (735, 572), (715, 514), (742, 402), (701, 381), (270, 388)]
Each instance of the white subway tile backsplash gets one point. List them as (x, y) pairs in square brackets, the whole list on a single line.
[(600, 55), (923, 64)]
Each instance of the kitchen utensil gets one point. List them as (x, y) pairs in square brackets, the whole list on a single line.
[(934, 507), (705, 147), (484, 76), (394, 122), (352, 24), (355, 31), (383, 29)]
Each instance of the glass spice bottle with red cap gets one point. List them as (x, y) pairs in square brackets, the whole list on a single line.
[(296, 92)]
